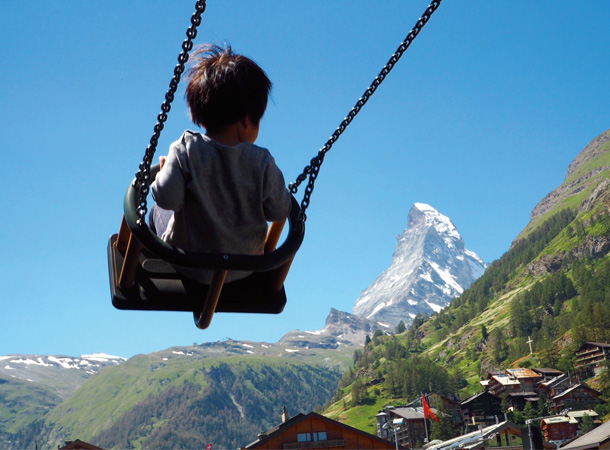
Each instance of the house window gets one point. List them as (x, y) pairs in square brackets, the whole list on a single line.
[(315, 437), (304, 437), (319, 436)]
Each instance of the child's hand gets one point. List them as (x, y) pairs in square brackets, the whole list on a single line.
[(161, 162)]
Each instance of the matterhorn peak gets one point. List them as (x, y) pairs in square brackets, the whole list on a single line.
[(430, 267)]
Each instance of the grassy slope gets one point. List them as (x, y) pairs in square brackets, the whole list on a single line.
[(115, 390)]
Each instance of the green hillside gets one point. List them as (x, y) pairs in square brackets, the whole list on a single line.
[(182, 400), (22, 404), (553, 285)]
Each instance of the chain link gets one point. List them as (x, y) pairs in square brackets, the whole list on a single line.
[(142, 181), (311, 171)]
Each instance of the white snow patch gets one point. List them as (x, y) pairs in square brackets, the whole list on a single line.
[(290, 350), (177, 353), (9, 368), (411, 302), (379, 307), (102, 357), (29, 362), (446, 277), (436, 308), (264, 346), (63, 362), (250, 351), (316, 333), (426, 277), (248, 345), (412, 316)]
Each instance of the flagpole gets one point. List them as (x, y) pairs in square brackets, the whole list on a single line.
[(425, 419)]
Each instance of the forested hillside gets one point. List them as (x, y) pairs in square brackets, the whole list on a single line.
[(552, 286), (169, 400)]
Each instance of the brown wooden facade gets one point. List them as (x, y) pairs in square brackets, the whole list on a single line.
[(314, 431), (591, 356), (577, 397), (560, 428)]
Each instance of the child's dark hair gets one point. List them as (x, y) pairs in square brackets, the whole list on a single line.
[(224, 87)]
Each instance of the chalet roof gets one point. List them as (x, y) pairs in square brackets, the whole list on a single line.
[(522, 373), (476, 396), (559, 419), (77, 444), (555, 381), (548, 372), (592, 439), (596, 344), (477, 438), (505, 380), (582, 413), (411, 413), (573, 388), (281, 428)]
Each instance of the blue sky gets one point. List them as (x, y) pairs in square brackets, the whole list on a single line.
[(480, 119)]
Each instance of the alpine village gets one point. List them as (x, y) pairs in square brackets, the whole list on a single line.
[(519, 360)]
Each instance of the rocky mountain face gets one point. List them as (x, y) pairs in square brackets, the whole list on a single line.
[(584, 173), (342, 329), (430, 267), (586, 190)]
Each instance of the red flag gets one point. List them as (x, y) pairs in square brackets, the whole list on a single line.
[(208, 447), (428, 414)]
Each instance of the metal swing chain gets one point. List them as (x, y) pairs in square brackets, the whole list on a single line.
[(142, 181), (313, 168)]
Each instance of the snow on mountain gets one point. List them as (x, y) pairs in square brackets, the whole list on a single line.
[(64, 373), (430, 267)]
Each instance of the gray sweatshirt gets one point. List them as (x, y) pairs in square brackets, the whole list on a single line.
[(222, 198)]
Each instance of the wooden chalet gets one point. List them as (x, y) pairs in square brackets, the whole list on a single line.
[(503, 384), (484, 408), (77, 444), (554, 386), (405, 424), (528, 378), (577, 397), (313, 431), (559, 428), (591, 356)]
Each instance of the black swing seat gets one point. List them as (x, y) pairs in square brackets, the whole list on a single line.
[(157, 286)]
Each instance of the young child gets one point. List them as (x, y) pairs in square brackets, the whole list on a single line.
[(220, 188)]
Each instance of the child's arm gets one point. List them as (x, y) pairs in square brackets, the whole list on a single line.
[(277, 201), (169, 187)]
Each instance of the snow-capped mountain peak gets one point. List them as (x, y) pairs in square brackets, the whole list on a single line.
[(429, 267), (64, 373)]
